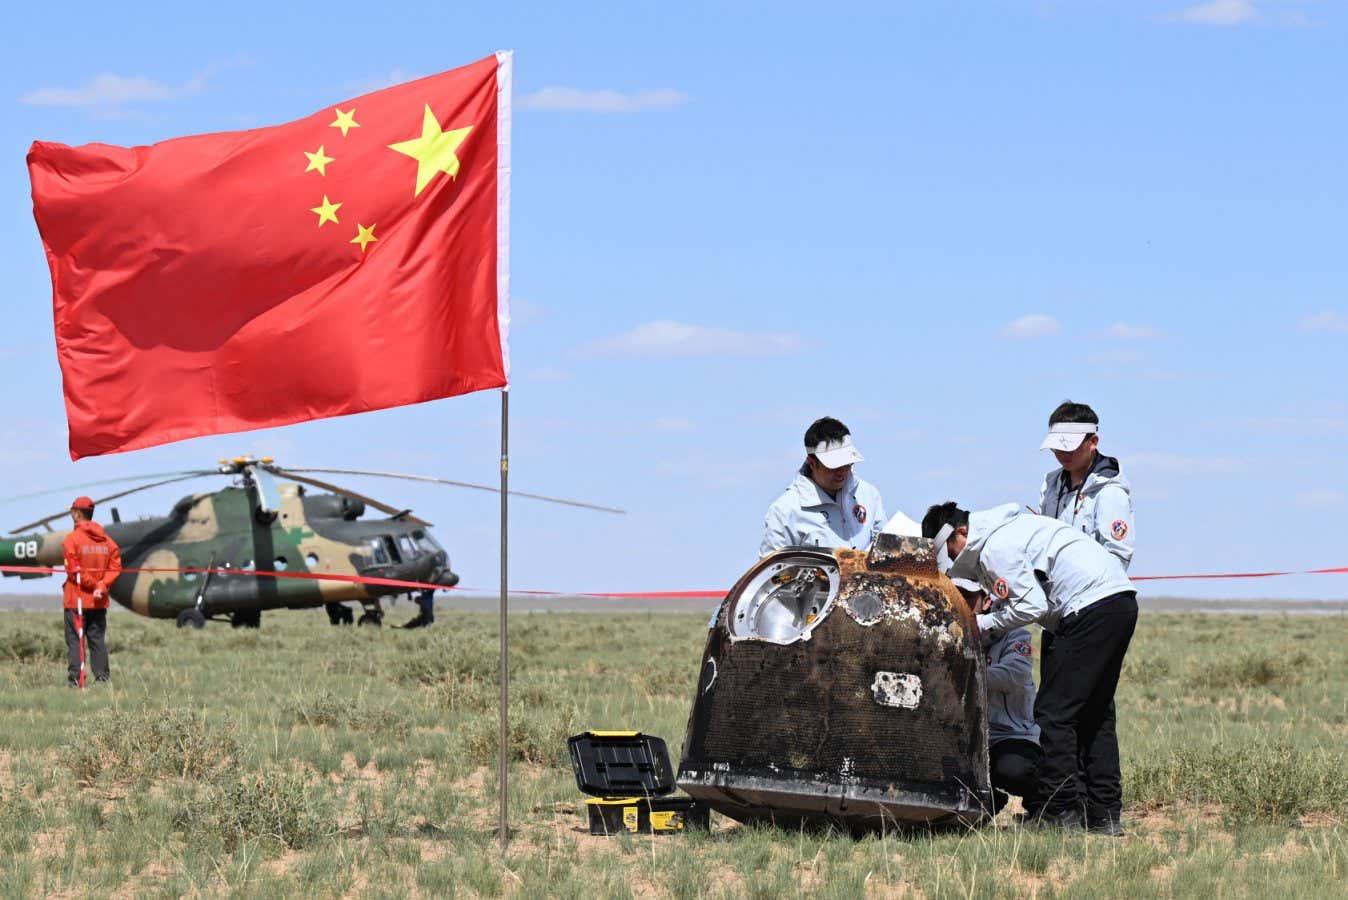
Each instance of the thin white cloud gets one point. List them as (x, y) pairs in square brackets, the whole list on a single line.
[(1188, 465), (547, 375), (1126, 331), (372, 83), (1330, 320), (1218, 12), (108, 92), (1317, 424), (680, 339), (566, 99), (1030, 327), (108, 89), (673, 424), (1320, 497), (722, 472), (1123, 356), (523, 313)]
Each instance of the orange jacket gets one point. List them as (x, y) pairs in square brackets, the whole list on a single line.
[(93, 561)]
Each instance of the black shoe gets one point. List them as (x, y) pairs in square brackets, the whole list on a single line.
[(1066, 819), (1107, 825)]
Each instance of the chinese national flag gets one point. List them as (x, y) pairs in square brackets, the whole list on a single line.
[(353, 260)]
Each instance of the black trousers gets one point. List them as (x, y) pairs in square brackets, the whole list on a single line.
[(95, 633), (1079, 672), (1013, 763)]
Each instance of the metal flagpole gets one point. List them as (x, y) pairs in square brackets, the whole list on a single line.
[(505, 649)]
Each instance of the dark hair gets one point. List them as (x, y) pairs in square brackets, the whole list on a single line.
[(825, 429), (947, 513), (1068, 411)]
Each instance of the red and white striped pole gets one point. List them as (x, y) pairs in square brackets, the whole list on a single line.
[(79, 630)]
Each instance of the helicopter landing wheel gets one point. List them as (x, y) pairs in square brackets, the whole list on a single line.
[(246, 619), (191, 618), (371, 618), (340, 614)]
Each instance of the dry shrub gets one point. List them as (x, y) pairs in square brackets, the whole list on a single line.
[(1255, 669), (327, 709), (537, 736), (148, 742), (25, 644), (272, 806), (449, 655)]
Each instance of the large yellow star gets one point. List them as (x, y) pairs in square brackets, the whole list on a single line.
[(345, 120), (317, 161), (434, 151), (327, 212), (363, 236)]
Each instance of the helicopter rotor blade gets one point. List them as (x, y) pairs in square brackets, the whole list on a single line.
[(394, 511), (90, 484), (467, 484), (101, 500)]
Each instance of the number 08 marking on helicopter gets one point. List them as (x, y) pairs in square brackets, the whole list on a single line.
[(25, 549)]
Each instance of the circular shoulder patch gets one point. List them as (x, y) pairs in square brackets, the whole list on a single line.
[(1001, 589), (1119, 529), (860, 512)]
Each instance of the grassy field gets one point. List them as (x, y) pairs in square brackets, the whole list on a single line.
[(306, 760)]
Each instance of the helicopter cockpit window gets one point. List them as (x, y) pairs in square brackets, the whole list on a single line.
[(378, 552), (405, 544), (391, 548), (426, 542)]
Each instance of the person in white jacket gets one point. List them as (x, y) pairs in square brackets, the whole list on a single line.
[(826, 505), (1088, 491), (1040, 570)]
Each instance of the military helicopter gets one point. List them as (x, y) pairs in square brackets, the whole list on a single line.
[(259, 525)]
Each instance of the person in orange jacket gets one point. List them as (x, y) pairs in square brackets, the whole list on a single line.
[(93, 562)]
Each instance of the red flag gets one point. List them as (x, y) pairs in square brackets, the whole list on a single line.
[(353, 260)]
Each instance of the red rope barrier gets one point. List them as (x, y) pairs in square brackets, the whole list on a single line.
[(611, 595)]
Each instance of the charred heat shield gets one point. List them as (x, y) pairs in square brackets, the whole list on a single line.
[(843, 687)]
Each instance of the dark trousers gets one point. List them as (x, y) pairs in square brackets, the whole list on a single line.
[(1013, 763), (1079, 671), (95, 632)]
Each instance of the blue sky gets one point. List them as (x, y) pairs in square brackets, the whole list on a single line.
[(935, 221)]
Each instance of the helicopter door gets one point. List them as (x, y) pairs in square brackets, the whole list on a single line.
[(408, 548)]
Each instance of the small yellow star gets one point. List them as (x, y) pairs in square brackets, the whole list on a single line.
[(434, 151), (317, 161), (327, 212), (345, 120), (363, 236)]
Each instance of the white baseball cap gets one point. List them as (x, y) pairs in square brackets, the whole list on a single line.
[(835, 454), (1067, 436)]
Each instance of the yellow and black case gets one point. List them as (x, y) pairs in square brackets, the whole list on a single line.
[(628, 776)]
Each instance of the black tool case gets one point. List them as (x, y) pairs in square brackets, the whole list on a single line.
[(628, 776)]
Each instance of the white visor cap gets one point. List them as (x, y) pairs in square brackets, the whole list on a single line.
[(1067, 436), (836, 454)]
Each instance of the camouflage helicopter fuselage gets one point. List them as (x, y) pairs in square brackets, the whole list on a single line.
[(320, 534)]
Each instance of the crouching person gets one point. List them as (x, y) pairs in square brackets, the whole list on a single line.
[(1042, 570), (1013, 738)]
